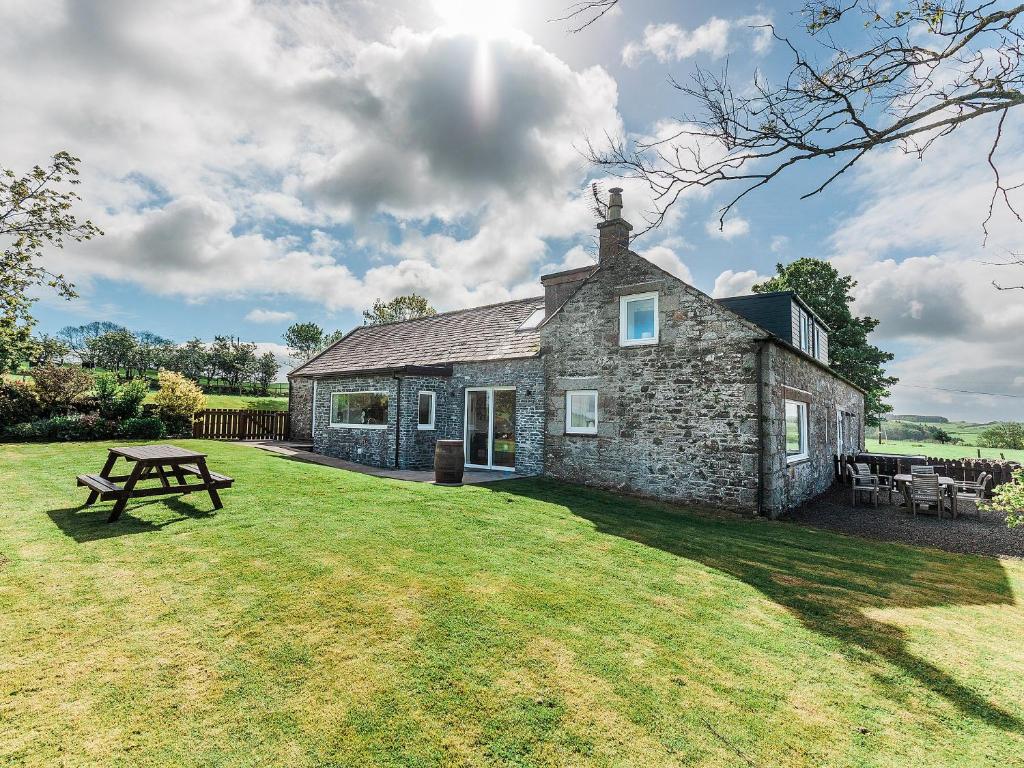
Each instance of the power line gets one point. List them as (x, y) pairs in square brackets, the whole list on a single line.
[(962, 391)]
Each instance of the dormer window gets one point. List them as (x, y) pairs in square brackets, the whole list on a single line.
[(638, 319), (805, 332)]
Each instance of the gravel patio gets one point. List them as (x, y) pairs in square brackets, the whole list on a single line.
[(966, 534)]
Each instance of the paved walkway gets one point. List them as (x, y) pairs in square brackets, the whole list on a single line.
[(303, 452)]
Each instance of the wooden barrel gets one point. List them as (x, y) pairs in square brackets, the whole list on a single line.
[(448, 462)]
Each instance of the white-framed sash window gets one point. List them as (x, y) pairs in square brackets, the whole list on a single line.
[(426, 408), (638, 319), (581, 412), (359, 410), (796, 431)]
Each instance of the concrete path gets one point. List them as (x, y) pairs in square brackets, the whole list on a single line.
[(302, 452)]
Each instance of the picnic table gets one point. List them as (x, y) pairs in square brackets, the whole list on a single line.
[(946, 484), (153, 462)]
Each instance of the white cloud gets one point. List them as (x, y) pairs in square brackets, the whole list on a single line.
[(733, 227), (731, 283), (715, 37), (268, 316), (779, 243), (667, 259)]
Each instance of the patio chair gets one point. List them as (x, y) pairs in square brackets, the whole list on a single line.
[(885, 482), (925, 491), (862, 481), (922, 469), (973, 491)]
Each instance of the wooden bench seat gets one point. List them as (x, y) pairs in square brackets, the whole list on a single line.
[(219, 480), (104, 487)]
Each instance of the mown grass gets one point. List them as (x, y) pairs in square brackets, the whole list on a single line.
[(241, 402), (330, 618), (939, 451)]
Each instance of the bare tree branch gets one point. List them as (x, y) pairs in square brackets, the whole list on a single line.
[(927, 68), (585, 12)]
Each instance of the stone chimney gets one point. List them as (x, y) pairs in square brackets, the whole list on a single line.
[(614, 233)]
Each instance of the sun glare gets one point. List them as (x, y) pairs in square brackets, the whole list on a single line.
[(479, 17)]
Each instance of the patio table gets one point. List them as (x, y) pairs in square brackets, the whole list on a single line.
[(947, 484), (152, 462)]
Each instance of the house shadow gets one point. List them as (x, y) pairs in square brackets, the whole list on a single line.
[(85, 524), (830, 583)]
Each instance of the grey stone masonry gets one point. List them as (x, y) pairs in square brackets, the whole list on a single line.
[(788, 374), (300, 408), (677, 420), (376, 447)]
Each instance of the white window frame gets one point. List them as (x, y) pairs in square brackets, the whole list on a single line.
[(623, 326), (433, 409), (806, 332), (840, 431), (571, 430), (344, 425), (804, 415)]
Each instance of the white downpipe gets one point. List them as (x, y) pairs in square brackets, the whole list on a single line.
[(312, 427)]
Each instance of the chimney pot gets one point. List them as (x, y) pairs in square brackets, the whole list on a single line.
[(614, 233), (615, 203)]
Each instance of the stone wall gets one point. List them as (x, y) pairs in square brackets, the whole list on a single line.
[(787, 484), (416, 447), (300, 408), (677, 420)]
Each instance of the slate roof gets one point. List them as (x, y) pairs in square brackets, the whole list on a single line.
[(466, 335)]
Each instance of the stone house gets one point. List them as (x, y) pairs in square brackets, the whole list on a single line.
[(620, 376)]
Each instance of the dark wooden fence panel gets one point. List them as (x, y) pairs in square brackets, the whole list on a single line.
[(958, 469), (232, 424)]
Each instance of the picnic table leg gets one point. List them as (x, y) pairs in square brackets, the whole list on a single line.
[(105, 472), (129, 486), (205, 473), (163, 476), (180, 476)]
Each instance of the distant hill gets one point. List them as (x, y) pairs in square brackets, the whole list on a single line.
[(919, 419)]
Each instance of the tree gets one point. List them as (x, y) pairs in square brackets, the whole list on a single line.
[(48, 349), (77, 338), (266, 370), (190, 359), (150, 352), (939, 435), (35, 212), (303, 340), (59, 386), (850, 354), (113, 350), (1009, 435), (399, 308), (234, 359), (925, 68), (1008, 498)]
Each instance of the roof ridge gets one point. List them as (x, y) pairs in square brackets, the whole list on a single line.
[(449, 312)]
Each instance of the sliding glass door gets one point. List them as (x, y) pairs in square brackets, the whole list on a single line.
[(491, 427)]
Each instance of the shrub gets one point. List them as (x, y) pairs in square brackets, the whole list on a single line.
[(1008, 435), (63, 429), (178, 399), (1008, 498), (59, 386), (119, 401), (144, 428), (18, 403)]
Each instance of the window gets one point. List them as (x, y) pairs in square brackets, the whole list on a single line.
[(581, 412), (796, 431), (359, 409), (840, 431), (805, 331), (638, 319), (425, 418), (533, 320)]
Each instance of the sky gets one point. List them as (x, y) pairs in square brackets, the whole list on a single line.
[(254, 164)]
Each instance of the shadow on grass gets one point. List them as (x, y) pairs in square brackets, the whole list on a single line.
[(829, 582), (84, 523)]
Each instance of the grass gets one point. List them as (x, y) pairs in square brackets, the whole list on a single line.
[(330, 618), (939, 451)]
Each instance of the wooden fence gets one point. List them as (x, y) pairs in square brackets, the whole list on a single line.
[(232, 424), (958, 469)]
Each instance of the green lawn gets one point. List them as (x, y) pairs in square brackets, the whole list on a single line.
[(330, 618), (940, 451)]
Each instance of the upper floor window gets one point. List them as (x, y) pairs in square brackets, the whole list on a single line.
[(806, 343), (425, 408), (638, 319)]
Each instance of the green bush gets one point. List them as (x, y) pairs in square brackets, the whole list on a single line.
[(143, 428), (18, 403), (63, 429), (118, 401)]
